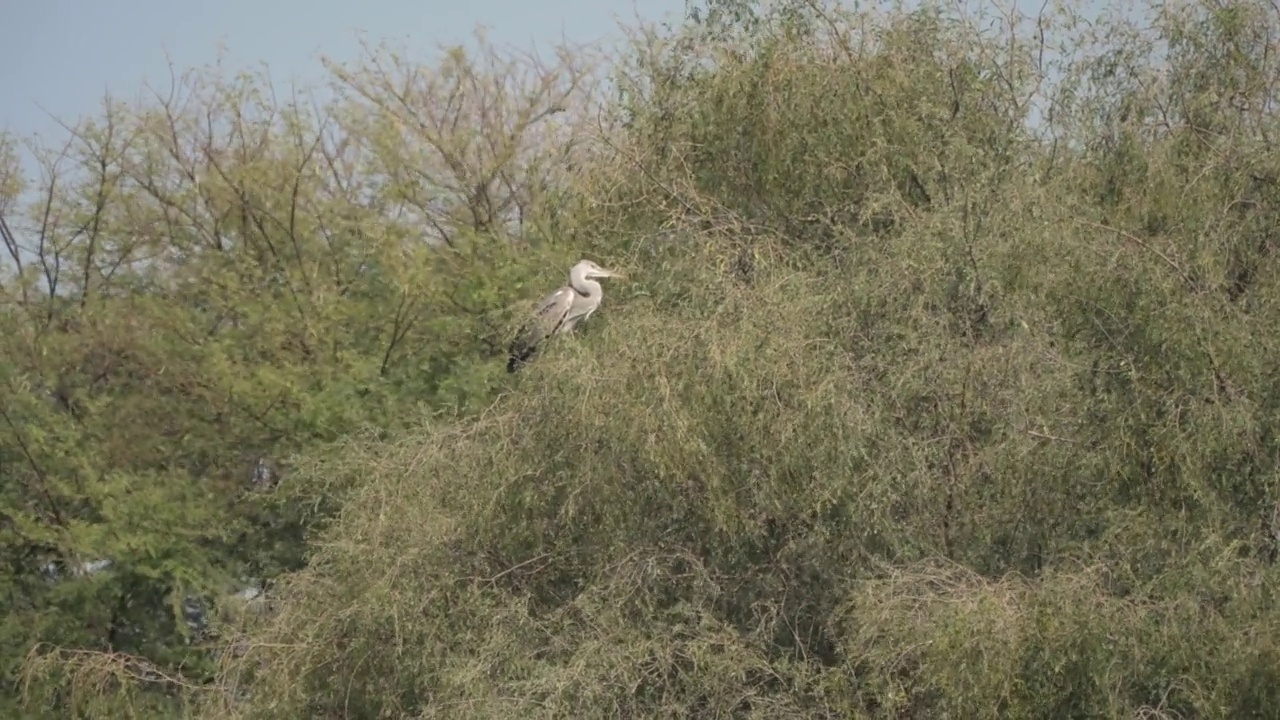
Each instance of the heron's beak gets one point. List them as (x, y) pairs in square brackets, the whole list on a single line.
[(615, 274)]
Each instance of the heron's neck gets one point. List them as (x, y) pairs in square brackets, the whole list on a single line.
[(585, 287)]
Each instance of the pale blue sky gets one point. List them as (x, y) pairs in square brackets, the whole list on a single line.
[(61, 55)]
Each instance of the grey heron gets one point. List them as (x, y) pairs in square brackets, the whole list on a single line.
[(561, 311)]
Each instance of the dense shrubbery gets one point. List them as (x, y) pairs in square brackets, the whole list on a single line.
[(945, 384)]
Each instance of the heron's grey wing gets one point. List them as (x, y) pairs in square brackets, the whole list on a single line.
[(546, 319), (551, 312)]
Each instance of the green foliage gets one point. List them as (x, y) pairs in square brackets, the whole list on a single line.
[(213, 282), (805, 125), (944, 385)]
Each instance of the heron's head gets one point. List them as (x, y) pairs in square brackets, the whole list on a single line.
[(588, 269)]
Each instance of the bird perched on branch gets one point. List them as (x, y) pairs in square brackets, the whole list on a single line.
[(561, 311)]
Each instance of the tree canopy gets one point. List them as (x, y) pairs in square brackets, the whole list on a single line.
[(943, 382)]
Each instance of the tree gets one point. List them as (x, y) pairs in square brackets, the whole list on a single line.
[(215, 280)]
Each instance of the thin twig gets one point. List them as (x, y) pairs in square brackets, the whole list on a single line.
[(1145, 246)]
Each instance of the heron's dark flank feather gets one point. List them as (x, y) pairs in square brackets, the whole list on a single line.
[(518, 353)]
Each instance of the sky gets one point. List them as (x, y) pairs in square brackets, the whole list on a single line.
[(59, 57)]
